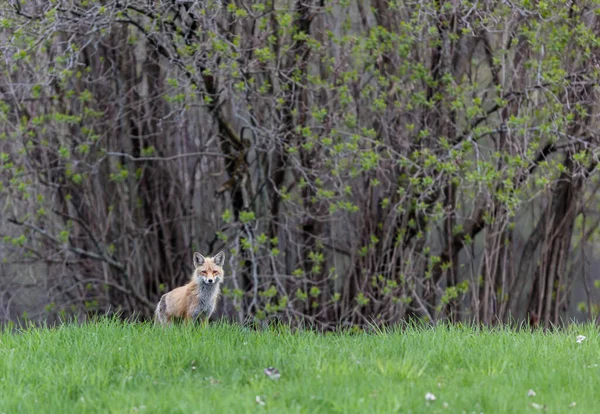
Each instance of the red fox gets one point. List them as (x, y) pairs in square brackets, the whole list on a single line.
[(198, 298)]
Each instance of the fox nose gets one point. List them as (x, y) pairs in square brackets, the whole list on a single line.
[(210, 281)]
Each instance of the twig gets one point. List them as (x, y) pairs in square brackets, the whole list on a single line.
[(171, 158)]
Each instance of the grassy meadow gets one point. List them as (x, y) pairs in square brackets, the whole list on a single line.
[(118, 367)]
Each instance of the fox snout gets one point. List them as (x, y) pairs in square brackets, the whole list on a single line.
[(209, 281)]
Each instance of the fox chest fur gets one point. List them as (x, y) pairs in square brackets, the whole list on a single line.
[(202, 300)]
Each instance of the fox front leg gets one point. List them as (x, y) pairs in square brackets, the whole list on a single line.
[(199, 317)]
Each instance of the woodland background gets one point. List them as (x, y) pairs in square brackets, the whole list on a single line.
[(360, 162)]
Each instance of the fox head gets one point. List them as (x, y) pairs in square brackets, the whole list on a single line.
[(209, 269)]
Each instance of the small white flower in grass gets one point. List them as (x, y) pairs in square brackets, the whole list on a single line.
[(445, 405), (531, 393), (573, 404), (259, 401), (580, 339), (429, 397), (538, 406), (272, 373)]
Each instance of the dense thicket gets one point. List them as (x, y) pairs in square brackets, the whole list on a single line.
[(360, 162)]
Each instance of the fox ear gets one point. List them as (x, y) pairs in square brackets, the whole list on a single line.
[(219, 259), (198, 259)]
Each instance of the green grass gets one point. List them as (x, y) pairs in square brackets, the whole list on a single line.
[(117, 367)]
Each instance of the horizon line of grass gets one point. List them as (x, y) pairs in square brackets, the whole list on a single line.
[(303, 325)]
